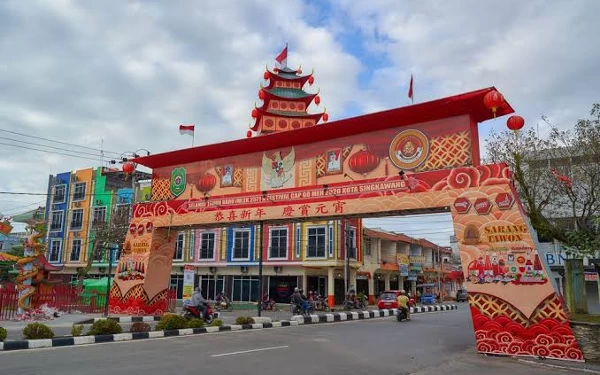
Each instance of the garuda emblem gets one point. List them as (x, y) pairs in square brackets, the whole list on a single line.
[(277, 170)]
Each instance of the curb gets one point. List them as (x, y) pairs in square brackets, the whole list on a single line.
[(296, 321), (131, 319)]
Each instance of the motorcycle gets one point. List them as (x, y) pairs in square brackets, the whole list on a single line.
[(192, 312), (401, 315), (350, 304), (269, 305), (224, 305), (321, 304), (307, 308)]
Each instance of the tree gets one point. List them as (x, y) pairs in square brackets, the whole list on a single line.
[(558, 180), (106, 234)]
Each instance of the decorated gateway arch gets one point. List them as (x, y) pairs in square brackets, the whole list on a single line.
[(416, 158)]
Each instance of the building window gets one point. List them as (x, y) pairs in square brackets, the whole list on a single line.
[(331, 241), (352, 243), (77, 219), (278, 247), (316, 242), (79, 191), (122, 210), (207, 246), (241, 244), (75, 250), (59, 194), (367, 245), (99, 215), (56, 223), (245, 289), (212, 285), (54, 255), (298, 240), (176, 283), (178, 253)]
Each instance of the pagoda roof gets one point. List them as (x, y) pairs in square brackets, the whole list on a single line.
[(287, 74), (470, 104), (288, 93), (264, 112)]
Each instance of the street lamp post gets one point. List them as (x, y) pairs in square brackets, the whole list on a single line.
[(110, 263)]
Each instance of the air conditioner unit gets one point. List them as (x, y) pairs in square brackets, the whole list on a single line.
[(74, 178), (101, 269), (98, 202), (54, 207), (77, 204), (278, 269), (244, 269)]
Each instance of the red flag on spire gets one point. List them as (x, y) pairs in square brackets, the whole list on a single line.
[(282, 57), (410, 90)]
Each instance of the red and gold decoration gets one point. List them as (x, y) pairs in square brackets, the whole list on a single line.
[(493, 100), (515, 123), (515, 309)]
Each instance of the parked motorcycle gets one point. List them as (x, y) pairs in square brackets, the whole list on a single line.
[(192, 312)]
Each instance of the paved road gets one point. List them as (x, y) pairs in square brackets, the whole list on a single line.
[(429, 344)]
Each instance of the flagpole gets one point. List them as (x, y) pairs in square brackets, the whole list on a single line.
[(193, 135)]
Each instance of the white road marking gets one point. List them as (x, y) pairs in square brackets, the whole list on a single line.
[(250, 351)]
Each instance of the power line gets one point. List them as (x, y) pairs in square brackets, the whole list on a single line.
[(47, 151), (52, 147), (60, 142)]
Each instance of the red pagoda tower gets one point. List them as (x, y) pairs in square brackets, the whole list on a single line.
[(285, 102)]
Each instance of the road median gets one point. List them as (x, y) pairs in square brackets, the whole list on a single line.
[(294, 321)]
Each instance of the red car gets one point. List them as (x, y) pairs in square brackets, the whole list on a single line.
[(387, 299)]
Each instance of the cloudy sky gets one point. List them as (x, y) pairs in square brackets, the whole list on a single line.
[(121, 75)]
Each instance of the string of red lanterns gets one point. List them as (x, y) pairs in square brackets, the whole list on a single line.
[(515, 123)]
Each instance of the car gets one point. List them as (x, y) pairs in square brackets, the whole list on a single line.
[(462, 295), (387, 299)]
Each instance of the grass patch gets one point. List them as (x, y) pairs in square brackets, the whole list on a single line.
[(588, 318)]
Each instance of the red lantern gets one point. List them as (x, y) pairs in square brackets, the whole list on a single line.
[(325, 117), (261, 94), (254, 113), (267, 75), (515, 122), (207, 182), (128, 167), (493, 100), (311, 80), (249, 134), (317, 100), (276, 69), (363, 162)]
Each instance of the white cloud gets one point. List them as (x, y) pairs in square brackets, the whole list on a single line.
[(126, 74)]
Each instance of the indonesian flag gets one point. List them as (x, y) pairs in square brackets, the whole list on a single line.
[(186, 129), (282, 57), (410, 88)]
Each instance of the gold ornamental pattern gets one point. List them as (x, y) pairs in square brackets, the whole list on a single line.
[(448, 151)]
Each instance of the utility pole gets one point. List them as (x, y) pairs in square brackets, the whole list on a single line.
[(439, 273), (110, 263), (347, 252), (260, 268)]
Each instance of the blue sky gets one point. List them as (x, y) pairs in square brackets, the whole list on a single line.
[(122, 75)]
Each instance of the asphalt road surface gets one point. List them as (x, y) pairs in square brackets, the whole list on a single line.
[(438, 343)]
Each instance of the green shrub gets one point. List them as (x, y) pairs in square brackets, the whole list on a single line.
[(249, 320), (195, 323), (240, 320), (217, 323), (76, 330), (3, 334), (34, 331), (140, 327), (171, 321), (105, 327)]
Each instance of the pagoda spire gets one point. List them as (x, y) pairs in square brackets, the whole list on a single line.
[(284, 100)]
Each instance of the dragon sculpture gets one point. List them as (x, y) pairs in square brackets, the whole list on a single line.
[(28, 266)]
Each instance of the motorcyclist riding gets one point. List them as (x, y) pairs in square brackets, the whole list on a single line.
[(299, 300), (403, 303), (198, 301)]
